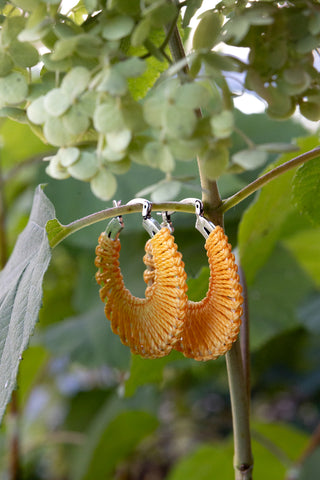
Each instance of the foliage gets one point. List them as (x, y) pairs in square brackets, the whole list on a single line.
[(98, 92)]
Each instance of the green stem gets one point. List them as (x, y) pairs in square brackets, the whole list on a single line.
[(266, 178), (242, 461), (63, 231)]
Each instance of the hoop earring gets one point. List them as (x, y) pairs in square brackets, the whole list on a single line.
[(150, 326), (213, 324)]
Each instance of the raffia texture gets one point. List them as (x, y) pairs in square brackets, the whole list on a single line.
[(213, 324), (150, 326)]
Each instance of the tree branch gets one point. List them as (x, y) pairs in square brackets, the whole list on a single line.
[(266, 178)]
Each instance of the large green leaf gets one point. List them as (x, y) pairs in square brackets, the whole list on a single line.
[(261, 224), (274, 297), (215, 460), (87, 339), (145, 371), (305, 246), (21, 293), (115, 433), (306, 185)]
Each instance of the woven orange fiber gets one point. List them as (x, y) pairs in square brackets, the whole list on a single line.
[(150, 326), (213, 324)]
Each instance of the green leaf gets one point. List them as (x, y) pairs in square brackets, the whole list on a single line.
[(113, 82), (308, 313), (218, 61), (119, 141), (216, 161), (222, 124), (16, 114), (215, 460), (261, 225), (166, 190), (56, 65), (75, 81), (86, 339), (144, 371), (91, 5), (56, 170), (158, 155), (277, 147), (56, 102), (120, 167), (250, 159), (117, 27), (306, 185), (75, 120), (154, 111), (305, 246), (204, 463), (86, 167), (132, 67), (13, 89), (114, 438), (21, 292), (193, 95), (11, 28), (310, 110), (37, 112), (141, 32), (28, 5), (162, 14), (104, 184), (235, 29), (274, 297), (90, 46), (6, 64), (23, 54), (64, 48), (192, 7), (68, 156), (56, 133), (185, 149), (198, 287), (180, 122), (208, 30), (55, 231), (107, 117)]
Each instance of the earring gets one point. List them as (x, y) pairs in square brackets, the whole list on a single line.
[(212, 325), (150, 326)]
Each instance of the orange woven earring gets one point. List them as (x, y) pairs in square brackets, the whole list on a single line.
[(212, 325), (150, 326)]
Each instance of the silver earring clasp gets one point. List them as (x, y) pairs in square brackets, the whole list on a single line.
[(150, 224), (115, 225), (203, 225)]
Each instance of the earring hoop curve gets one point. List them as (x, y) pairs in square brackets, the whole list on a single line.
[(213, 324), (150, 326)]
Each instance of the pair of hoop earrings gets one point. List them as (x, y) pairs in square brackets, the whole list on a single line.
[(165, 319)]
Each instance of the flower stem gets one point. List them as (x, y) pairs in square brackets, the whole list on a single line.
[(266, 178)]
